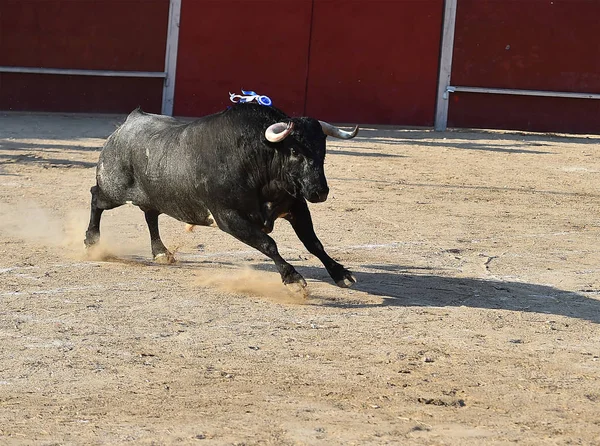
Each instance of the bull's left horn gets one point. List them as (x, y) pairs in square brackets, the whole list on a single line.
[(332, 130), (279, 131)]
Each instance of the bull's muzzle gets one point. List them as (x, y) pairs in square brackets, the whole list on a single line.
[(318, 196)]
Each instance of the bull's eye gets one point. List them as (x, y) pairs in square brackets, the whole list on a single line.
[(294, 152)]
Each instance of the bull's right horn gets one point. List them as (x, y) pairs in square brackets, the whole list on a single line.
[(332, 130), (279, 131)]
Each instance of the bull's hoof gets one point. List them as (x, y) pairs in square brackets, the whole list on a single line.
[(298, 289), (91, 246), (91, 239), (91, 251), (164, 258), (347, 281), (189, 228)]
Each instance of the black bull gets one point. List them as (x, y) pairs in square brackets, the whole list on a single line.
[(240, 169)]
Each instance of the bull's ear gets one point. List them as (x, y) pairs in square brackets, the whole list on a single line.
[(279, 131)]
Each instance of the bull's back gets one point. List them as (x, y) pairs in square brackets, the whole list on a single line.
[(145, 162)]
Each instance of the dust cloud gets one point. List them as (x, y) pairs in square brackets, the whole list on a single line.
[(40, 227), (253, 283), (32, 223)]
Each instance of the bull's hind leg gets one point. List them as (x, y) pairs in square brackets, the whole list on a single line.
[(159, 251), (99, 204), (92, 235)]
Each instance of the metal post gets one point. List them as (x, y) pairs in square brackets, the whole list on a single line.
[(515, 92), (77, 72), (171, 57), (441, 110)]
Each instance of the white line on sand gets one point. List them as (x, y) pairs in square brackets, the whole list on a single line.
[(257, 253)]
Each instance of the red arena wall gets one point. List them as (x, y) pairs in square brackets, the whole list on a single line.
[(374, 62), (339, 60), (532, 45), (124, 35), (367, 61), (228, 45)]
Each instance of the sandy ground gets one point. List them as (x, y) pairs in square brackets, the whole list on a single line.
[(474, 320)]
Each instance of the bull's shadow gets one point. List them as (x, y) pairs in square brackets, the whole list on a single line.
[(47, 147), (471, 139), (398, 287), (33, 159), (72, 126), (514, 142), (52, 134)]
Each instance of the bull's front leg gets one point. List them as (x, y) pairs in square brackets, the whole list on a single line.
[(244, 230), (299, 217)]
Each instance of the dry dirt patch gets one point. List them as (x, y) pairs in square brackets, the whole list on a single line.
[(474, 320)]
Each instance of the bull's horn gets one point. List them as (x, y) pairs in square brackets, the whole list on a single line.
[(332, 130), (279, 131)]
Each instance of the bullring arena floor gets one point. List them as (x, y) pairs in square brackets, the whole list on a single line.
[(475, 319)]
